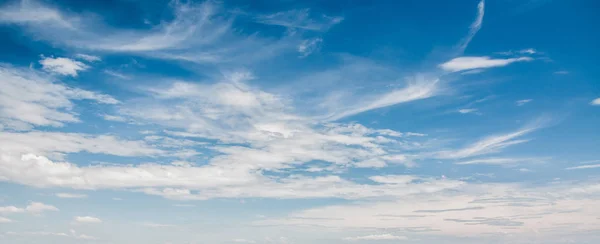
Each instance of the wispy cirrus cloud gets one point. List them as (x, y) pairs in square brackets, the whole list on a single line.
[(299, 19), (487, 145), (474, 28), (199, 33), (523, 102), (31, 99), (484, 62)]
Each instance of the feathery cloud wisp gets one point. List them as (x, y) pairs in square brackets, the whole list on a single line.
[(468, 63)]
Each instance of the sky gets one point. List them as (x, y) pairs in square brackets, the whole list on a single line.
[(320, 122)]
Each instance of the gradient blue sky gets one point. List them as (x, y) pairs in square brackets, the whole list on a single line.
[(129, 121)]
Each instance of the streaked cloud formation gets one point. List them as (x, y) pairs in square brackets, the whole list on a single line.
[(294, 122)]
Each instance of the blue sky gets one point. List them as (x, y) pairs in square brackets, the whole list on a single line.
[(129, 121)]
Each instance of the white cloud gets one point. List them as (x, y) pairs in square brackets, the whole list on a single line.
[(467, 110), (117, 74), (32, 99), (419, 89), (87, 219), (487, 145), (5, 220), (300, 19), (379, 237), (198, 32), (469, 63), (242, 241), (523, 102), (38, 207), (155, 225), (33, 208), (116, 118), (595, 102), (309, 46), (72, 234), (562, 72), (475, 26), (11, 209), (586, 166), (501, 161), (57, 143), (470, 211), (89, 58), (62, 66), (70, 195)]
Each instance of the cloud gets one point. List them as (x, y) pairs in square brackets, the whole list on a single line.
[(595, 102), (487, 145), (467, 110), (38, 207), (117, 74), (155, 225), (469, 63), (116, 118), (242, 241), (523, 102), (198, 32), (62, 66), (561, 72), (72, 234), (309, 46), (5, 220), (33, 208), (379, 237), (57, 143), (586, 165), (11, 209), (33, 99), (89, 58), (70, 195), (299, 19), (418, 89), (501, 161), (485, 209), (87, 219), (474, 28)]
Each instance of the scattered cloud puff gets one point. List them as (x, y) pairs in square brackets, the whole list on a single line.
[(469, 63), (70, 195), (380, 237), (5, 220), (62, 66), (35, 208), (87, 220), (595, 102), (523, 102)]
